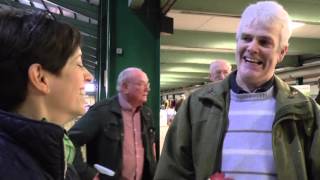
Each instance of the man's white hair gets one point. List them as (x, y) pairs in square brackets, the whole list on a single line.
[(124, 76), (215, 63), (267, 13)]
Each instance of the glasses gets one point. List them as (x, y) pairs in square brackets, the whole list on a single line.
[(142, 84)]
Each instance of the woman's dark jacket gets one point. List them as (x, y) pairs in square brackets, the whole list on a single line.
[(30, 149), (101, 129)]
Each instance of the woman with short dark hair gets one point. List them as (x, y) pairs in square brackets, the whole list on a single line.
[(42, 81)]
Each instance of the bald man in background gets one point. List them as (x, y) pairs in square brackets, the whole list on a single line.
[(219, 69)]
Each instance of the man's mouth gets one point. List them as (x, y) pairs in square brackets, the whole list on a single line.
[(252, 60)]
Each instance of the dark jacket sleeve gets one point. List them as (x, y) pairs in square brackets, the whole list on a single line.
[(85, 171), (315, 146), (72, 173), (85, 129), (317, 99)]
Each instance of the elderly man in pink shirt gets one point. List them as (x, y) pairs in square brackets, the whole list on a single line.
[(118, 132)]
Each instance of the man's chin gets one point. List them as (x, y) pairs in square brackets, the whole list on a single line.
[(144, 101), (81, 111)]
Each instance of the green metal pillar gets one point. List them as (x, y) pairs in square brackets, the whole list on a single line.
[(103, 49)]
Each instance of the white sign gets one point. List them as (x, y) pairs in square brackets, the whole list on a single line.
[(305, 89)]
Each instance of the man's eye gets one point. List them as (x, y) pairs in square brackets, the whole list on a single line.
[(80, 65), (246, 38), (264, 42)]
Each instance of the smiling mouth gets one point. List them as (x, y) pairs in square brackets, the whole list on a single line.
[(252, 60)]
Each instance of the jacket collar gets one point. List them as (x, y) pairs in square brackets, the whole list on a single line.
[(218, 93), (115, 107), (42, 140), (146, 116), (125, 105), (291, 101), (237, 89)]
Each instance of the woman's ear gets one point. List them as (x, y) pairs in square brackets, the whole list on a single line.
[(38, 78)]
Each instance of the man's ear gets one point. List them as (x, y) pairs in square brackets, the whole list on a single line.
[(283, 52), (125, 88), (38, 78), (210, 77)]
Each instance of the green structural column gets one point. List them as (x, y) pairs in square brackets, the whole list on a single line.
[(135, 41), (103, 48)]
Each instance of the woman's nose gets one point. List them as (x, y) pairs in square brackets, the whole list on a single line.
[(87, 75)]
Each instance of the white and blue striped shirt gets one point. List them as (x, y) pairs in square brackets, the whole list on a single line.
[(247, 149)]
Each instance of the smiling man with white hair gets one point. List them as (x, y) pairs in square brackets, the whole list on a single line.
[(251, 125)]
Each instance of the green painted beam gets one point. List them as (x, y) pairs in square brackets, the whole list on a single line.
[(85, 27), (89, 41), (196, 39), (300, 10), (80, 7), (186, 67), (82, 26), (198, 57), (88, 50), (167, 74), (90, 58), (181, 83), (226, 41), (174, 85), (189, 80), (214, 6), (175, 56), (187, 74), (89, 64)]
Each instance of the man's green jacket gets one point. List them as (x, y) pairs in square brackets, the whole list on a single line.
[(193, 145)]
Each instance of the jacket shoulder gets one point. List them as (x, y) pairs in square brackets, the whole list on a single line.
[(146, 109), (16, 163), (211, 92), (105, 103)]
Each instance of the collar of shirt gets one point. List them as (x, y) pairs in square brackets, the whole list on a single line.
[(125, 105), (237, 89)]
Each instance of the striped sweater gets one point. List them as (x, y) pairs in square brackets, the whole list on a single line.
[(247, 149)]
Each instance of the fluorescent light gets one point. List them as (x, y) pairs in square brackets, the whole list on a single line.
[(295, 25)]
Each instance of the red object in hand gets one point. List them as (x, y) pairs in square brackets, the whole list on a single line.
[(219, 176), (96, 177)]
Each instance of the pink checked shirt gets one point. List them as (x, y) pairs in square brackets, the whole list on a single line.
[(132, 148)]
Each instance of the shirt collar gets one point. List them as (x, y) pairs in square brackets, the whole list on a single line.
[(237, 89), (125, 105)]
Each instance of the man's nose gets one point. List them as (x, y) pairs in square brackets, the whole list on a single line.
[(253, 46), (147, 87)]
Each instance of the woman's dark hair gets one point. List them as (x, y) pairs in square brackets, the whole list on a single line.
[(26, 39)]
